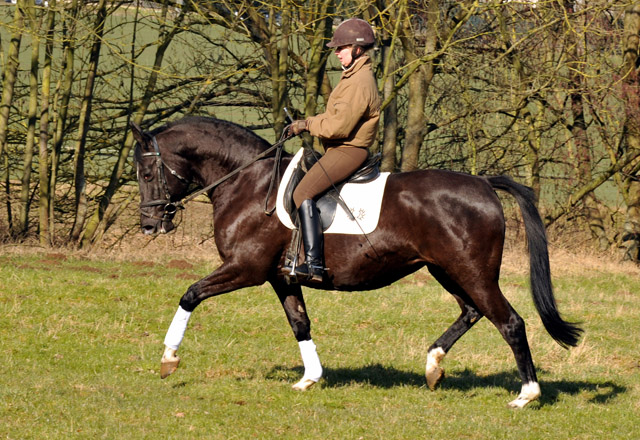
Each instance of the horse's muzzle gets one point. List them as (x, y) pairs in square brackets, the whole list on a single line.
[(151, 226)]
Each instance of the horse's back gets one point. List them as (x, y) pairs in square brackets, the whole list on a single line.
[(446, 214), (443, 219), (442, 192)]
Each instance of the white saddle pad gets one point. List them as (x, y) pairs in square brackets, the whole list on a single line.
[(363, 199)]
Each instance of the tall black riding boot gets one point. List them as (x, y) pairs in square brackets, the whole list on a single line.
[(313, 242)]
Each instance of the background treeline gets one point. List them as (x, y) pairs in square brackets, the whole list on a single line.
[(545, 91)]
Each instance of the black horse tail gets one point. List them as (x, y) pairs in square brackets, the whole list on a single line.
[(565, 333)]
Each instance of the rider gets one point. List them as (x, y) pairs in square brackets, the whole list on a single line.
[(347, 128)]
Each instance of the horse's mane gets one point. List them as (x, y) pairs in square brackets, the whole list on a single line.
[(237, 129), (241, 140)]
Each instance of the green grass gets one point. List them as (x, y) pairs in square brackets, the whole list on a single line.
[(81, 342)]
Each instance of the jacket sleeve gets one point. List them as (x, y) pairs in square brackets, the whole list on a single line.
[(341, 116)]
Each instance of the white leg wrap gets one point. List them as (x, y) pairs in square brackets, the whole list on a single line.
[(311, 361), (178, 326), (434, 357), (530, 392)]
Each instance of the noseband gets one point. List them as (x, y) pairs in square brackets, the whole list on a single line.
[(170, 208)]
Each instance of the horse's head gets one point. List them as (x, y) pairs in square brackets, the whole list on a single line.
[(160, 181)]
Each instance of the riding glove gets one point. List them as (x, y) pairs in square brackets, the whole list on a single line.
[(298, 126)]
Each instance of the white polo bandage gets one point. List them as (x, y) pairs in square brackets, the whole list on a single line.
[(311, 361), (178, 326)]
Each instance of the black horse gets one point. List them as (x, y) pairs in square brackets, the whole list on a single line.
[(453, 223)]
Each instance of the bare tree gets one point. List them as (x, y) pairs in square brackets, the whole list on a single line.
[(631, 90), (165, 38), (482, 87), (389, 30), (45, 98), (9, 74), (35, 23), (61, 100)]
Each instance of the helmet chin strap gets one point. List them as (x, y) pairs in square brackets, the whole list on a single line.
[(356, 52)]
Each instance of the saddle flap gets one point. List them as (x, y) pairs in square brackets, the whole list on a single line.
[(301, 166), (363, 198)]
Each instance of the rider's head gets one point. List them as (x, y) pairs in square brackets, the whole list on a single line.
[(351, 39)]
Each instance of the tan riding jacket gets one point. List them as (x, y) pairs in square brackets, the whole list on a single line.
[(353, 109)]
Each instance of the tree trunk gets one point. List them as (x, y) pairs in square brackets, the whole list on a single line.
[(390, 25), (9, 74), (578, 143), (418, 83), (83, 125), (62, 98), (631, 84), (416, 93), (8, 84), (318, 55), (280, 60), (22, 225), (390, 114), (45, 194), (416, 126), (7, 186), (316, 79)]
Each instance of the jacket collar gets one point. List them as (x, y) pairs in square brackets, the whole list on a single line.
[(356, 65)]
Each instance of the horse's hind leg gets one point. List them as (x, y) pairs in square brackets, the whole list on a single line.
[(477, 300), (294, 307), (469, 316), (497, 309), (437, 351), (512, 329)]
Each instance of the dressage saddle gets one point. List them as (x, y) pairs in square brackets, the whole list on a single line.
[(329, 200)]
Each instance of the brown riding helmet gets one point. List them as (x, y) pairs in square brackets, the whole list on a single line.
[(353, 31)]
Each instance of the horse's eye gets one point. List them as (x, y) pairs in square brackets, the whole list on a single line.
[(147, 177)]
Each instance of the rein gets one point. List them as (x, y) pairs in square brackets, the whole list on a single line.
[(170, 208)]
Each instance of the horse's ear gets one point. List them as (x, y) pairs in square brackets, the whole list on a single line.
[(138, 134)]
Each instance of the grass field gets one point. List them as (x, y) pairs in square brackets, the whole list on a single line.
[(81, 339)]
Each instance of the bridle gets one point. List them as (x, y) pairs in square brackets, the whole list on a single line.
[(171, 208)]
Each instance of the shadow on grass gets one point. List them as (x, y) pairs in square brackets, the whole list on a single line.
[(600, 392), (376, 375)]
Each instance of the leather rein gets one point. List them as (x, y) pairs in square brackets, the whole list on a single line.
[(170, 208)]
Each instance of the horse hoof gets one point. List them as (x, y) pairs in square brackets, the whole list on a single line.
[(304, 385), (518, 403), (434, 377), (168, 367)]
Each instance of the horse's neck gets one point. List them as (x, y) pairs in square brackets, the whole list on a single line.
[(214, 160), (219, 164)]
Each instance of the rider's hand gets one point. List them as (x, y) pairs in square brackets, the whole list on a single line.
[(298, 126)]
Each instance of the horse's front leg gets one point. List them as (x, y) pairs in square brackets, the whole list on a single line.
[(172, 341), (294, 307), (224, 279)]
